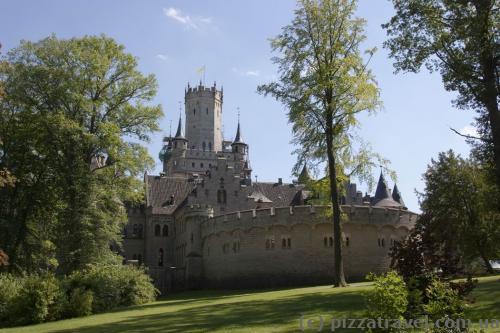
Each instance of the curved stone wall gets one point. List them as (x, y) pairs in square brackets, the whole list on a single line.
[(292, 245)]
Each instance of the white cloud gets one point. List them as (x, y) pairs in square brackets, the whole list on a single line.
[(469, 130), (189, 22), (162, 57), (246, 72)]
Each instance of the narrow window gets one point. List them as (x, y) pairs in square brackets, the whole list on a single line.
[(325, 241), (160, 257), (134, 230), (330, 241), (194, 112), (157, 230), (347, 241), (283, 243), (165, 231), (139, 231), (139, 259), (210, 146), (204, 146), (192, 164), (289, 243)]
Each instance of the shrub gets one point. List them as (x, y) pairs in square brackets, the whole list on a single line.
[(444, 303), (79, 303), (387, 300), (114, 285), (9, 288), (37, 300)]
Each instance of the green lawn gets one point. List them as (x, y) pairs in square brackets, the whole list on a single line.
[(247, 311)]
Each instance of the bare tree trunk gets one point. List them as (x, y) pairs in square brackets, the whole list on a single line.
[(339, 279)]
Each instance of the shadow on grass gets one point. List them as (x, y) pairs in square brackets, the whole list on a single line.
[(486, 301), (244, 315)]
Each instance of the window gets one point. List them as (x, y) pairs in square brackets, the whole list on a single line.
[(139, 231), (236, 149), (286, 242), (221, 196), (347, 241), (160, 257), (236, 246), (165, 231), (201, 165), (134, 230), (194, 112), (203, 145), (270, 243), (139, 259), (328, 241), (192, 164), (210, 146), (381, 242), (157, 230)]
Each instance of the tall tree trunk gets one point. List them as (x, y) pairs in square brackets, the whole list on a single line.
[(488, 63), (339, 279)]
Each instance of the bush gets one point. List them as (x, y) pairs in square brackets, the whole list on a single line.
[(387, 300), (9, 288), (37, 300), (444, 303), (114, 285), (79, 303)]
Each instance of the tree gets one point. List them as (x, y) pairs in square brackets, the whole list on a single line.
[(459, 216), (460, 39), (324, 82), (78, 108)]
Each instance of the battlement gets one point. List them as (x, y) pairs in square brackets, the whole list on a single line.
[(307, 215), (201, 90)]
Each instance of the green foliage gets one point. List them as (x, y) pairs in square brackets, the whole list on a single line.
[(36, 301), (9, 288), (444, 303), (114, 285), (387, 300), (459, 39), (324, 83), (79, 107), (79, 303), (459, 201)]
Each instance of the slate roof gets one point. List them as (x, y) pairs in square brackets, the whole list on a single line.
[(238, 138), (382, 191), (281, 195), (396, 195), (160, 191)]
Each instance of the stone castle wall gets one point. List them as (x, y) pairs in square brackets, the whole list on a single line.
[(291, 245)]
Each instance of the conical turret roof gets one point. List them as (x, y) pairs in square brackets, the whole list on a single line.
[(179, 134), (304, 176), (238, 138), (382, 191), (396, 195)]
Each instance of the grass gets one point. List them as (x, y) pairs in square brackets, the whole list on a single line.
[(248, 311)]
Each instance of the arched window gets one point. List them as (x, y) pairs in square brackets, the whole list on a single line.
[(160, 257), (157, 230), (165, 231)]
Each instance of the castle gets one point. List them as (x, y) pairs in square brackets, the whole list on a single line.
[(206, 224)]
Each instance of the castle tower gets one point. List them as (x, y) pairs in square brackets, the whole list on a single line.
[(239, 147), (203, 107)]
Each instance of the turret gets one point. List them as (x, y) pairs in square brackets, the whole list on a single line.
[(304, 176), (239, 147), (383, 197), (179, 142)]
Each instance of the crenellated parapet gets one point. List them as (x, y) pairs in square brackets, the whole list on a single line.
[(309, 215)]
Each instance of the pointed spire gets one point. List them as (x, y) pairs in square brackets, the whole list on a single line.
[(396, 195), (238, 138), (178, 134), (304, 177), (382, 191)]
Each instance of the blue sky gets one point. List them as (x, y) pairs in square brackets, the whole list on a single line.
[(173, 38)]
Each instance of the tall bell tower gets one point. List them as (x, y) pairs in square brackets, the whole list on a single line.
[(203, 107)]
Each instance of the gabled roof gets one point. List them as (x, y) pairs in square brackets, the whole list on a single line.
[(161, 189)]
